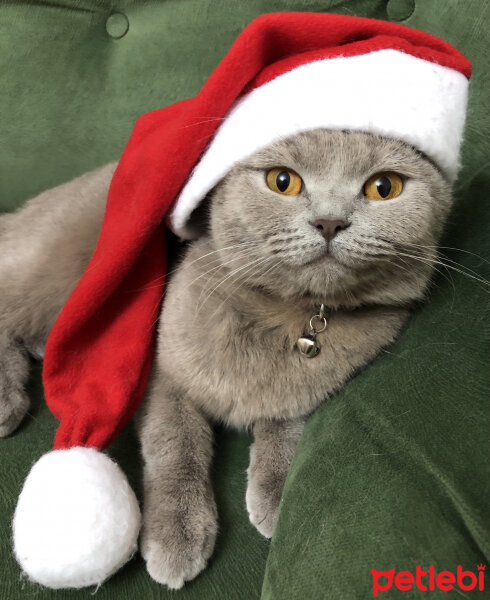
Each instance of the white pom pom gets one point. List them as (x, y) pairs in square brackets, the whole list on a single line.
[(77, 519)]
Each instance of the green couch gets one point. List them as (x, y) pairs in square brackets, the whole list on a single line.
[(392, 473)]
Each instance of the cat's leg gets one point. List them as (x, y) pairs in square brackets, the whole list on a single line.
[(14, 371), (270, 457), (179, 511)]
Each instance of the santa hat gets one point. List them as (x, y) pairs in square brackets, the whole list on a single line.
[(77, 519)]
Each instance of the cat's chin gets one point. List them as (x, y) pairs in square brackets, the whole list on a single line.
[(324, 258), (329, 269)]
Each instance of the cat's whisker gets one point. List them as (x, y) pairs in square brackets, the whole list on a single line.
[(417, 268), (237, 256), (435, 261), (426, 261), (444, 258), (205, 288), (233, 247), (414, 268), (367, 257), (153, 282), (431, 260), (258, 274), (439, 259), (260, 259), (451, 248), (410, 268), (209, 120), (244, 281), (406, 267), (233, 274)]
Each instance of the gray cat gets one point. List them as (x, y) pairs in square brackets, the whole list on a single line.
[(341, 219)]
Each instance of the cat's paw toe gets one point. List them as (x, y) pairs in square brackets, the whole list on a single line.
[(263, 506), (178, 551), (171, 568), (12, 411)]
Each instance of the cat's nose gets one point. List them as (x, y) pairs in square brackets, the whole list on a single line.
[(330, 227)]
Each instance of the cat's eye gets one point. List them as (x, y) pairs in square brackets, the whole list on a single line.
[(284, 181), (383, 186)]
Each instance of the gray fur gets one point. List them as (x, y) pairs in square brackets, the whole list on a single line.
[(270, 457), (179, 512), (14, 371), (242, 295), (44, 248)]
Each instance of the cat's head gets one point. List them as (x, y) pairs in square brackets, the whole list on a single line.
[(343, 218)]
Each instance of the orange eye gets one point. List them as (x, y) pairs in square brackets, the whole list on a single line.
[(383, 186), (284, 181)]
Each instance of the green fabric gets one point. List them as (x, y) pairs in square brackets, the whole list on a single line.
[(391, 473)]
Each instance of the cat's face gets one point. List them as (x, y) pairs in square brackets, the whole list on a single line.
[(323, 237)]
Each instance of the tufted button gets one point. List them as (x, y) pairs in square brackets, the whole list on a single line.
[(117, 25), (400, 10)]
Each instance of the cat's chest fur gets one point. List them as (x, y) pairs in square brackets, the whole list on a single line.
[(236, 357)]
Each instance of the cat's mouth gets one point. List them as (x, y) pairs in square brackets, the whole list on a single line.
[(326, 256)]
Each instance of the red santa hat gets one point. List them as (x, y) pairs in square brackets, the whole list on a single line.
[(77, 519)]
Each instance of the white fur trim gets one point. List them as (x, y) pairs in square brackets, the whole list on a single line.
[(77, 519), (387, 92)]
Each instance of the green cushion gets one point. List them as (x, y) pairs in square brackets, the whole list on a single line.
[(391, 472)]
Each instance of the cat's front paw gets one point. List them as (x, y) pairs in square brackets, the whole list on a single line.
[(176, 544), (263, 498), (13, 408)]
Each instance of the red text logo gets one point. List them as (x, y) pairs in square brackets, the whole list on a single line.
[(428, 580)]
